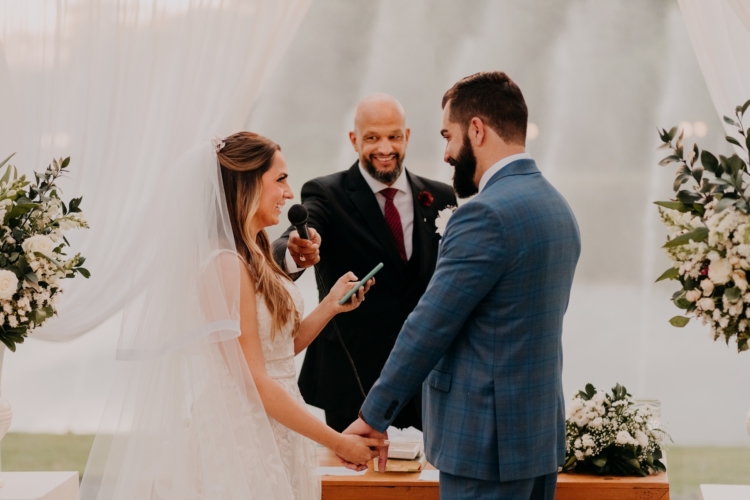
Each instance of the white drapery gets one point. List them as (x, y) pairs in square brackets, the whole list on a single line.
[(124, 87), (720, 34)]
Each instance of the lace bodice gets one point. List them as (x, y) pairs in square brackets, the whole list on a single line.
[(297, 452)]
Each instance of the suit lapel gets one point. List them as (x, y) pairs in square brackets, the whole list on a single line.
[(364, 199), (421, 234)]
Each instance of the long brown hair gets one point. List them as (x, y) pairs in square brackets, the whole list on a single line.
[(244, 159)]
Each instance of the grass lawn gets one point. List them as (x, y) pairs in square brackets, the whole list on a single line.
[(687, 466)]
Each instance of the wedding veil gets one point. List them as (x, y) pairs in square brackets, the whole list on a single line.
[(184, 419)]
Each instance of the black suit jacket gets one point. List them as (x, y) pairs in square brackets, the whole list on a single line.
[(356, 237)]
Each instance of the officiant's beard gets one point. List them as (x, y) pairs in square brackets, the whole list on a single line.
[(465, 166), (384, 177)]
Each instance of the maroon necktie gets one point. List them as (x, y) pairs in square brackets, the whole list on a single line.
[(393, 219)]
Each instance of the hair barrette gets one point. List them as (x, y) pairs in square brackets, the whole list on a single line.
[(218, 143)]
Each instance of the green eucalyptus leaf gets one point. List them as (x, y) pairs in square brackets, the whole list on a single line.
[(680, 180), (697, 235), (6, 161), (744, 107), (669, 159), (724, 203), (732, 293), (673, 205), (689, 197), (732, 140), (672, 132), (84, 272), (679, 321), (670, 274), (730, 121), (709, 161)]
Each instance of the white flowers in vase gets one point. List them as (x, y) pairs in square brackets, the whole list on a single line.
[(32, 249), (606, 433), (709, 235)]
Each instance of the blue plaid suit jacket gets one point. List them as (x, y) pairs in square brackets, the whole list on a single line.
[(486, 337)]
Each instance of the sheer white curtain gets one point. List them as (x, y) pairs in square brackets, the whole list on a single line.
[(720, 34), (124, 87)]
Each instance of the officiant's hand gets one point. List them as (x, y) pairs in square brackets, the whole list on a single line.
[(342, 286), (355, 451), (305, 253), (360, 428)]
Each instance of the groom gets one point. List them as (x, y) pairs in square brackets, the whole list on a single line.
[(486, 335)]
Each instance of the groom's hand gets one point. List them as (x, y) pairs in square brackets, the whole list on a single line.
[(361, 428), (305, 253)]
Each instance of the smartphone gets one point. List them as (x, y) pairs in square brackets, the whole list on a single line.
[(364, 280)]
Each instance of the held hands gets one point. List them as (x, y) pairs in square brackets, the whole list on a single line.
[(305, 253), (360, 428), (342, 286), (355, 451)]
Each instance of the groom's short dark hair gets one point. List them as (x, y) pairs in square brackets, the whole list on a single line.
[(493, 97)]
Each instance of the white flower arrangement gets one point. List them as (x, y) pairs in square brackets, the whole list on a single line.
[(441, 222), (32, 259), (608, 434), (708, 226)]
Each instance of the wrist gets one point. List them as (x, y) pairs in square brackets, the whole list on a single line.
[(329, 306), (336, 443)]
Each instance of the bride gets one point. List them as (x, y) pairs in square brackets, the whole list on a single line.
[(205, 404)]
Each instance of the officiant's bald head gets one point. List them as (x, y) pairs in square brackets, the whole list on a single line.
[(380, 136)]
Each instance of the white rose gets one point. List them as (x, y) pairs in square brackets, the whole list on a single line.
[(624, 437), (442, 220), (579, 455), (720, 271), (596, 423), (724, 322), (708, 287), (706, 304), (740, 280), (577, 443), (599, 397), (713, 255), (38, 243), (693, 295), (642, 438), (8, 284)]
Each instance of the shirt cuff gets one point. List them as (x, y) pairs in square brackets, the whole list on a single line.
[(291, 266)]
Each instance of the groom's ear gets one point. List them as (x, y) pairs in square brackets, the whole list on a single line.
[(353, 140), (477, 131)]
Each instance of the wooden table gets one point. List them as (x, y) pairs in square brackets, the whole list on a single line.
[(406, 486)]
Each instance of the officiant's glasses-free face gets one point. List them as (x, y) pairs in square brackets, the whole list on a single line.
[(381, 141)]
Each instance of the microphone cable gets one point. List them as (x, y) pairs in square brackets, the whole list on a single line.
[(321, 284)]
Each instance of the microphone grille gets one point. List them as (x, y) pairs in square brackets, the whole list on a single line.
[(297, 214)]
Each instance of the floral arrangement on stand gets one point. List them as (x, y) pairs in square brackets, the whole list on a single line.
[(606, 433), (32, 249), (709, 234)]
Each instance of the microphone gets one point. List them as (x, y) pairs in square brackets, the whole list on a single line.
[(298, 218)]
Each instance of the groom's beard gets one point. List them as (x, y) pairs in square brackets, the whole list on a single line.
[(384, 177), (465, 166)]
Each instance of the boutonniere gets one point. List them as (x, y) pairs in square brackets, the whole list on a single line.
[(425, 198), (442, 219)]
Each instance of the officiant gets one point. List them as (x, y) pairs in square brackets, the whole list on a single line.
[(376, 211)]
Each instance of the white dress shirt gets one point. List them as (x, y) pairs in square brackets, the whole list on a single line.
[(498, 166), (403, 202)]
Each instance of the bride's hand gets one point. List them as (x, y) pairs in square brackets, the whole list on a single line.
[(358, 450), (342, 287)]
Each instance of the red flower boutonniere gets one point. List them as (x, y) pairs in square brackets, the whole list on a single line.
[(425, 198)]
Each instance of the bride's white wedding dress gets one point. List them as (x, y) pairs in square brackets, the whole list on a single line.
[(297, 452), (184, 420)]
